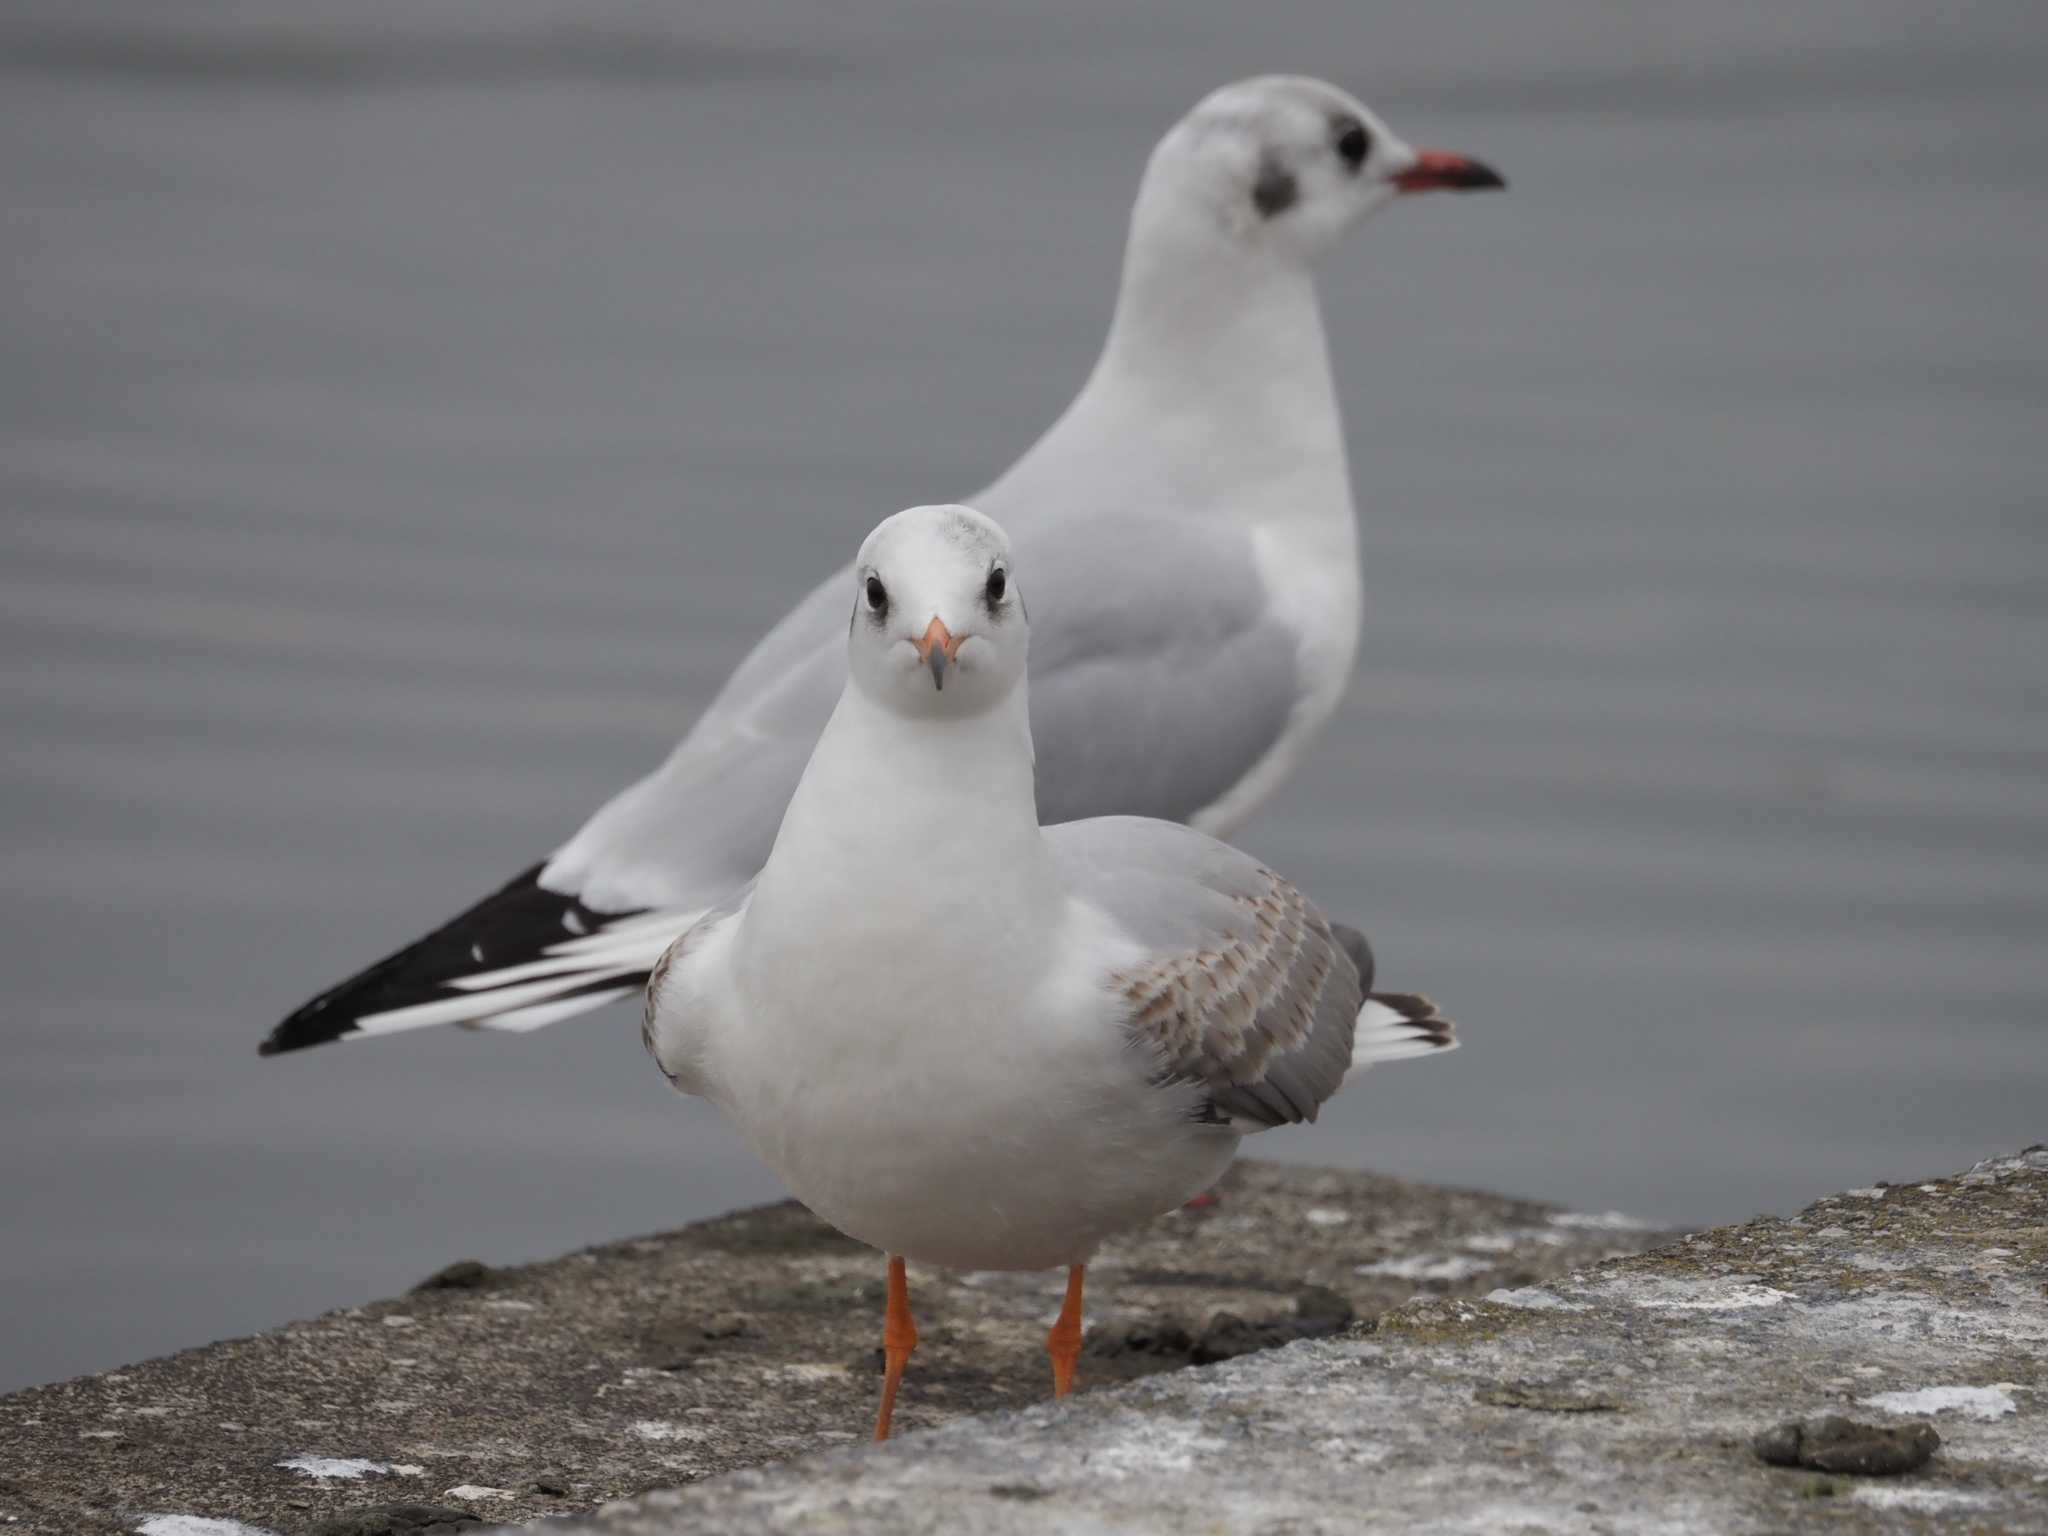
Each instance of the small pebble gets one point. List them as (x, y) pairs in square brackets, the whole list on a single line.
[(1836, 1444)]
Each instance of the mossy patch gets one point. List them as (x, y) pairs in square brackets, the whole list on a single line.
[(1457, 1322), (1548, 1397)]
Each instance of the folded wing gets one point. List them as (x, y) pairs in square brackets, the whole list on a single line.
[(1240, 986)]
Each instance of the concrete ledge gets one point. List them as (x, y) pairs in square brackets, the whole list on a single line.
[(502, 1395), (1623, 1398)]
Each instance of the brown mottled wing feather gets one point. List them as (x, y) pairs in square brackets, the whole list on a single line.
[(1246, 993)]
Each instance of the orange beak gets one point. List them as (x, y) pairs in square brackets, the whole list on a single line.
[(1436, 171), (937, 649)]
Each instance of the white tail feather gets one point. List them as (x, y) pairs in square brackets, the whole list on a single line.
[(1387, 1033)]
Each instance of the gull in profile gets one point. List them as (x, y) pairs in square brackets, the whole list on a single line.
[(964, 1038), (1194, 553)]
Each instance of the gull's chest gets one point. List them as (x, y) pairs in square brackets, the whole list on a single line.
[(882, 939), (864, 991)]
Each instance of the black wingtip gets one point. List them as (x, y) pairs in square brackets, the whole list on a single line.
[(280, 1041), (516, 922), (416, 973), (313, 1024)]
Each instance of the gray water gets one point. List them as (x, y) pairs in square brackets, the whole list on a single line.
[(408, 415)]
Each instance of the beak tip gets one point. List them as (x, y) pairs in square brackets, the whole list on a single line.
[(936, 650), (1436, 171)]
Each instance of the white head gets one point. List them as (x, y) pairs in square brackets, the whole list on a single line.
[(1288, 162), (938, 624)]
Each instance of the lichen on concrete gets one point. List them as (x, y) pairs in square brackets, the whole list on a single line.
[(505, 1394)]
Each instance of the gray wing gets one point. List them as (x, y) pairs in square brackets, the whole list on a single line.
[(1160, 672), (702, 823), (1243, 989)]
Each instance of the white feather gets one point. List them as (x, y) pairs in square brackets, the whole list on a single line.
[(1386, 1034)]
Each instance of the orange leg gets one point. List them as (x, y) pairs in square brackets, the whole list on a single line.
[(899, 1338), (1064, 1342)]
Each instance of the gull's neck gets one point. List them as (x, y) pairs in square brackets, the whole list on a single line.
[(1229, 328), (905, 834), (1213, 391), (1214, 312)]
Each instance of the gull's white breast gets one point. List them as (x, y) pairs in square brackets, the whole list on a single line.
[(927, 1098)]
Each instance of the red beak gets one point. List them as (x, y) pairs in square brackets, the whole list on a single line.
[(1435, 170)]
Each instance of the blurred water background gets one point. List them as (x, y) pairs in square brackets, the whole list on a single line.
[(409, 413)]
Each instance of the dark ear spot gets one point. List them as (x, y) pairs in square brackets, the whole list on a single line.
[(1276, 190)]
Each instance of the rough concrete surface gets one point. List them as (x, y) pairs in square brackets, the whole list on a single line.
[(1624, 1398), (499, 1395)]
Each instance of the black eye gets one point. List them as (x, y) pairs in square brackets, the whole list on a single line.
[(1353, 142), (998, 584), (878, 595)]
